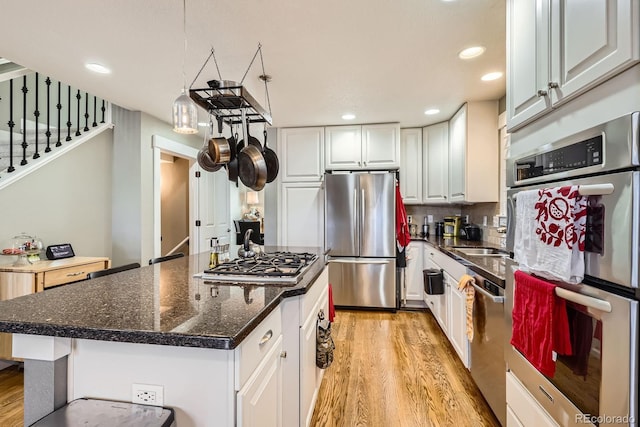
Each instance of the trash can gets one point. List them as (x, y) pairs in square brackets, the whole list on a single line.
[(95, 412), (433, 281)]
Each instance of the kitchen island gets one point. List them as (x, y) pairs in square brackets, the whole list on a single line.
[(209, 345)]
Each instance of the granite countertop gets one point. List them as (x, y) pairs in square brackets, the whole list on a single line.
[(490, 267), (159, 304)]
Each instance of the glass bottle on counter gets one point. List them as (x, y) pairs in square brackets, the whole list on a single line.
[(214, 250)]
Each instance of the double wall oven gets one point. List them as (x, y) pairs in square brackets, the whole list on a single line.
[(599, 382)]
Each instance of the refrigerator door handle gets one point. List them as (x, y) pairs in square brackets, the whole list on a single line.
[(356, 235), (362, 207), (357, 261)]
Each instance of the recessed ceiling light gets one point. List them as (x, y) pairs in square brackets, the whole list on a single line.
[(432, 111), (491, 76), (348, 116), (97, 68), (471, 52)]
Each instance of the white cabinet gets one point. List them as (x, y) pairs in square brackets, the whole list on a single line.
[(302, 377), (449, 309), (474, 153), (411, 165), (522, 408), (457, 332), (413, 273), (301, 214), (362, 147), (259, 401), (435, 169), (557, 50), (381, 146), (301, 154), (310, 374)]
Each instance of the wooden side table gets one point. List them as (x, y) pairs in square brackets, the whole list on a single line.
[(31, 278)]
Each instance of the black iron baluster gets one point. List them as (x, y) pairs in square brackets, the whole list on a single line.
[(36, 113), (103, 108), (48, 133), (86, 112), (78, 97), (94, 124), (11, 124), (59, 108), (24, 121), (68, 138)]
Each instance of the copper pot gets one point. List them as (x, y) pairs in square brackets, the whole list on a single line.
[(219, 150)]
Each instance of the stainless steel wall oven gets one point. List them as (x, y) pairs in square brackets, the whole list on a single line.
[(600, 381)]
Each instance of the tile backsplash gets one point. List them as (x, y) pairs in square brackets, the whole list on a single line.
[(476, 213)]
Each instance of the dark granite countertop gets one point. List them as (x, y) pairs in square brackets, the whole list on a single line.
[(158, 304), (490, 267)]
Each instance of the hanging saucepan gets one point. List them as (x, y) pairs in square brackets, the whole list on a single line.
[(270, 157), (219, 148), (205, 161), (252, 169)]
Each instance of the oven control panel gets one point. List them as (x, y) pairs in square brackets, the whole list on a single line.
[(575, 156)]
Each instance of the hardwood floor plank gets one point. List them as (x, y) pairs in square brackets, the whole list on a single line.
[(396, 369), (11, 397)]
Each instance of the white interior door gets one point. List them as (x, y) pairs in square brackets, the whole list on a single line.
[(213, 210)]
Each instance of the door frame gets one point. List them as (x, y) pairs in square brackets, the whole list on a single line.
[(160, 145)]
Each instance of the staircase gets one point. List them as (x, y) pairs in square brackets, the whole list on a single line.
[(41, 118)]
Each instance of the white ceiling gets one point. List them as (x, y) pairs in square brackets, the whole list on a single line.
[(384, 60)]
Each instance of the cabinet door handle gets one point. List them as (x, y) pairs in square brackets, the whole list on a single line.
[(553, 85), (283, 354), (266, 337), (542, 93), (79, 273)]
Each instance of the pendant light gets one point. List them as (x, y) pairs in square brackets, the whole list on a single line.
[(185, 112)]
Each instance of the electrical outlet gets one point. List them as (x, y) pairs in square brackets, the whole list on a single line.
[(147, 394), (429, 219)]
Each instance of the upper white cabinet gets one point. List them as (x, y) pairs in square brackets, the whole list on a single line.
[(301, 214), (362, 147), (474, 153), (557, 50), (411, 165), (301, 154), (435, 149)]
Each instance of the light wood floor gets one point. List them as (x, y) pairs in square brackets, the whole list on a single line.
[(11, 397), (389, 370), (396, 370)]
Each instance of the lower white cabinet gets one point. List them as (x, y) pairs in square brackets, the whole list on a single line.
[(310, 374), (522, 408), (302, 377), (457, 328), (413, 272), (449, 309), (259, 401), (301, 214)]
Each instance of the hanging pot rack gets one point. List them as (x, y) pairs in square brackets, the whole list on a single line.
[(227, 100)]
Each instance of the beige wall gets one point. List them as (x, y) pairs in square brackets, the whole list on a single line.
[(174, 193), (65, 201)]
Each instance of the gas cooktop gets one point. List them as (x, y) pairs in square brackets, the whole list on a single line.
[(270, 267)]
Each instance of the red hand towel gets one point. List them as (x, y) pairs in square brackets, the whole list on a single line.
[(540, 323), (332, 309), (402, 227)]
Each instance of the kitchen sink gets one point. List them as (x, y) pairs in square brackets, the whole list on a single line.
[(483, 252)]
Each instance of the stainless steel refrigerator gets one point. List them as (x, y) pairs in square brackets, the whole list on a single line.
[(360, 236)]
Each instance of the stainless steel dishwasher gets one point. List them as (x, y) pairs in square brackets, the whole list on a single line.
[(488, 367)]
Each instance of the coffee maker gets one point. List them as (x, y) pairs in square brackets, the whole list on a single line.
[(452, 226)]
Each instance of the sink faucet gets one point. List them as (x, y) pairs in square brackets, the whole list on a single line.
[(245, 251)]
